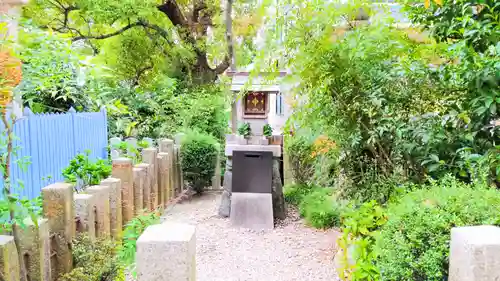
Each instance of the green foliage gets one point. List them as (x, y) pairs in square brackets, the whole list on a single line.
[(475, 22), (133, 230), (198, 158), (414, 243), (244, 130), (268, 130), (83, 169), (52, 72), (300, 155), (94, 261), (294, 194), (320, 208), (360, 228)]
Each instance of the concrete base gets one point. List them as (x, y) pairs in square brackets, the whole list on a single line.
[(252, 210), (167, 252), (475, 253)]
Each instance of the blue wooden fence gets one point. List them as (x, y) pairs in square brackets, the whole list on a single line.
[(50, 141)]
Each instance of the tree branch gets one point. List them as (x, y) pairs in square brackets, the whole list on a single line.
[(105, 36), (174, 13)]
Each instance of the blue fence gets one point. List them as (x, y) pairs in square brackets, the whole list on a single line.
[(50, 141)]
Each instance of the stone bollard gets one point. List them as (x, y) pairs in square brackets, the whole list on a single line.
[(475, 253), (167, 146), (216, 183), (9, 260), (167, 252), (59, 210), (35, 250), (163, 177), (149, 156), (147, 194), (115, 205), (140, 176), (103, 212), (85, 207), (122, 169)]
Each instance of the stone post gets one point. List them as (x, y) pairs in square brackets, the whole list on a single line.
[(103, 212), (85, 207), (140, 176), (475, 253), (149, 156), (167, 252), (59, 210), (9, 259), (147, 194), (35, 250), (115, 205), (216, 184), (167, 146), (287, 169), (163, 177), (122, 169)]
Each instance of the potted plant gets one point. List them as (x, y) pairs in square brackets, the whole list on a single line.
[(244, 132), (267, 134)]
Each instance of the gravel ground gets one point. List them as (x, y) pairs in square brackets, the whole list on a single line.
[(291, 251)]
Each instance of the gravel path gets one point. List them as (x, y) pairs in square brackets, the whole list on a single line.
[(291, 251)]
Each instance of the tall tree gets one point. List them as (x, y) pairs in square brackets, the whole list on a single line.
[(140, 38)]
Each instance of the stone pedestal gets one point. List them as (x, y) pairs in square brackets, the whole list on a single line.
[(475, 253), (35, 249), (167, 252), (9, 260), (122, 169), (115, 205), (252, 210), (279, 211)]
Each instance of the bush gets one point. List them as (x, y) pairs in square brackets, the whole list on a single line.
[(133, 230), (198, 157), (414, 244), (88, 171), (300, 150), (295, 193), (320, 209), (94, 261)]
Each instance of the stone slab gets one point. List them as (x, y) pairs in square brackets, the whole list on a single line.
[(167, 252), (475, 253), (275, 149), (252, 210)]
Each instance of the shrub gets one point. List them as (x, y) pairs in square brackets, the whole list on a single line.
[(244, 130), (88, 171), (320, 209), (295, 193), (300, 150), (133, 230), (198, 156), (360, 228), (94, 261), (414, 244)]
